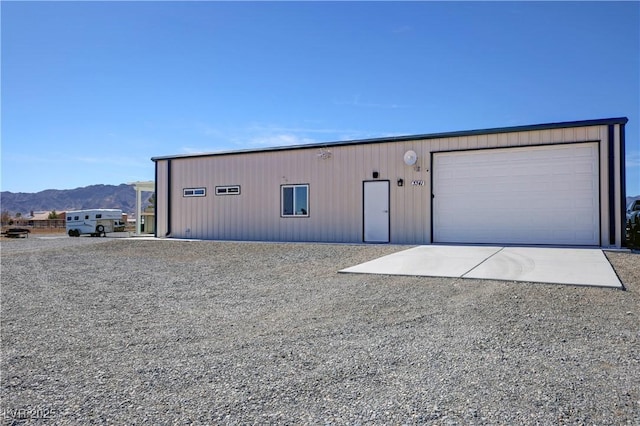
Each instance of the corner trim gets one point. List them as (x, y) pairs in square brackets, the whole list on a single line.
[(169, 206), (155, 194), (611, 175), (623, 186)]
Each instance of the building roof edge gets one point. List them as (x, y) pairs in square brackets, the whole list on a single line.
[(511, 129)]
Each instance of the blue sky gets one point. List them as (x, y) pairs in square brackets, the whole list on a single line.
[(92, 90)]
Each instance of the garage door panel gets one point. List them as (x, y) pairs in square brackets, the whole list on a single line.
[(532, 195), (587, 205)]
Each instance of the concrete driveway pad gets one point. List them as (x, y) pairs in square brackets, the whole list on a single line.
[(578, 266), (431, 261)]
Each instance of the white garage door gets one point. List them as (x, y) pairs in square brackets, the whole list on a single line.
[(532, 195)]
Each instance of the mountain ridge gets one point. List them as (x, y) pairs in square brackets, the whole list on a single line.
[(98, 196)]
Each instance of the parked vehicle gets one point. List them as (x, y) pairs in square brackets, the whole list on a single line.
[(633, 224), (95, 222), (633, 206)]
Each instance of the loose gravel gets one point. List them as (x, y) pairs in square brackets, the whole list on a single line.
[(126, 331)]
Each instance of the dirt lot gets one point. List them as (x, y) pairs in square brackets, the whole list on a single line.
[(126, 331)]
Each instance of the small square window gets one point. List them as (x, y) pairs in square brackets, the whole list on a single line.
[(295, 201)]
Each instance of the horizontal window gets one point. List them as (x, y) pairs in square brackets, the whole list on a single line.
[(295, 200), (228, 190), (194, 192)]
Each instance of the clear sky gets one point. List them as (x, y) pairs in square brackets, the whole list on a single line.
[(92, 90)]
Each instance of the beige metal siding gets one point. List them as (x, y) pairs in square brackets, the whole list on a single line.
[(618, 202), (603, 136), (162, 206), (335, 187)]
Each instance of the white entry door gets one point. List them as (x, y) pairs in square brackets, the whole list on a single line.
[(376, 212)]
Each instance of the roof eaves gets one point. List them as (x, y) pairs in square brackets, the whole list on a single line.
[(512, 129)]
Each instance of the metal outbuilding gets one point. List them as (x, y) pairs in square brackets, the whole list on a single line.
[(545, 184)]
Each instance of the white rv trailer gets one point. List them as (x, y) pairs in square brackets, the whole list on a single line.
[(94, 222)]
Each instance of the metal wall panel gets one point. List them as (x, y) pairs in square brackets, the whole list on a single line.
[(602, 135), (334, 175), (162, 205)]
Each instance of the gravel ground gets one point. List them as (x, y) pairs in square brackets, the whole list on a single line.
[(126, 331)]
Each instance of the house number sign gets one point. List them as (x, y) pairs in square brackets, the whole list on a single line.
[(417, 182)]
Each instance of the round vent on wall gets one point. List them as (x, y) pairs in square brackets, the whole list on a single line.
[(410, 158)]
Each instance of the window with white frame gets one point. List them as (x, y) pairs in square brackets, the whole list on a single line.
[(295, 200), (228, 190), (194, 192)]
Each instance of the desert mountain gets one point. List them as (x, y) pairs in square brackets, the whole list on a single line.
[(89, 197)]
